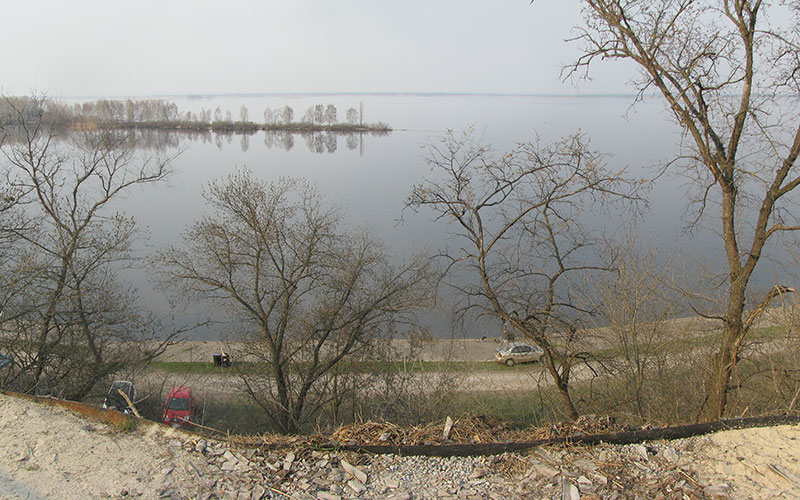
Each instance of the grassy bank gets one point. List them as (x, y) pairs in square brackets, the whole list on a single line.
[(372, 367)]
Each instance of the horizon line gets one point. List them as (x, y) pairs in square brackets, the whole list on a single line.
[(333, 93)]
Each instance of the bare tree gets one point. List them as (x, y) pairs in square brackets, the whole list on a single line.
[(308, 294), (721, 66), (269, 116), (352, 116), (205, 115), (243, 114), (515, 218), (319, 114), (72, 324), (330, 114), (309, 116), (288, 114), (634, 305)]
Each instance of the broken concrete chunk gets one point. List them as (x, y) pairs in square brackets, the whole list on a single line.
[(669, 454), (478, 473), (287, 462), (229, 465), (570, 490), (545, 470), (356, 486), (640, 451), (354, 471), (258, 492), (392, 483), (585, 465)]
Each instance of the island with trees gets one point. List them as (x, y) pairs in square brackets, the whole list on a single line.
[(159, 114)]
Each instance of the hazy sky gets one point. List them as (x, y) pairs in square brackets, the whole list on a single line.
[(147, 47)]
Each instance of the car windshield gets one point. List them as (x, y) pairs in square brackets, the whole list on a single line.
[(115, 401), (178, 404)]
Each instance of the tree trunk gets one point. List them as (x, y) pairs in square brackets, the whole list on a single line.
[(724, 361), (563, 389), (721, 369), (562, 384)]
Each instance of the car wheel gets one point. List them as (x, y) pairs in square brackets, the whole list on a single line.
[(542, 358), (509, 362)]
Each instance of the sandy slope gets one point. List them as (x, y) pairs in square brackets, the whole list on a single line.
[(48, 452), (757, 463)]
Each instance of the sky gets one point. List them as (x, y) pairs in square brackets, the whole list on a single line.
[(82, 48)]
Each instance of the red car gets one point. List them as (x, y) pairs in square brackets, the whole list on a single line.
[(179, 407)]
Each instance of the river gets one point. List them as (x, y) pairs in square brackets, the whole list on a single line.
[(370, 176)]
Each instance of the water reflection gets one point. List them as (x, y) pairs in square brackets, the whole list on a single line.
[(318, 142), (280, 139)]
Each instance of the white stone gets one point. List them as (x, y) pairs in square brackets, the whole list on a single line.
[(354, 471), (287, 462), (356, 486), (640, 450)]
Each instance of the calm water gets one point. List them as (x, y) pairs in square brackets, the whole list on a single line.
[(371, 176), (373, 179)]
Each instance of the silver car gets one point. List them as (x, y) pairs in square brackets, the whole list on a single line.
[(518, 352)]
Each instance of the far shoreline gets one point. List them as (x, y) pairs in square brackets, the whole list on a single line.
[(236, 127)]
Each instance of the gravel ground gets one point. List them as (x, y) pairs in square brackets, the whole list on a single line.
[(48, 452)]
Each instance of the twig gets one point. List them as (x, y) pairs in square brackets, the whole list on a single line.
[(130, 403), (206, 427), (519, 458), (280, 492), (794, 399), (784, 474), (545, 458), (741, 461), (690, 478)]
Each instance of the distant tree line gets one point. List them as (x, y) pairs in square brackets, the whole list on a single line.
[(165, 115)]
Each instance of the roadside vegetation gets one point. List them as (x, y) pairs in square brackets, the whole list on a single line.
[(371, 367)]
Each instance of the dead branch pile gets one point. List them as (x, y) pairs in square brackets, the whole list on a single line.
[(466, 429)]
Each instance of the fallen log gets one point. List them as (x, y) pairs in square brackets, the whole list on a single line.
[(626, 437)]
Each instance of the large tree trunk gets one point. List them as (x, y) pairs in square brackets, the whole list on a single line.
[(722, 365), (561, 378), (724, 360), (563, 389)]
